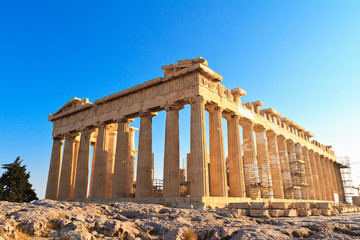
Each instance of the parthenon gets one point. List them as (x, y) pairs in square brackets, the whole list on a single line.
[(273, 158)]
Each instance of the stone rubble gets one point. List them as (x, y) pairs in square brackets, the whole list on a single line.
[(47, 219)]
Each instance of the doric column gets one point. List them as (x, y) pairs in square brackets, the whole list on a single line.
[(333, 177), (92, 169), (199, 179), (329, 181), (236, 170), (131, 161), (275, 165), (144, 168), (315, 177), (67, 168), (52, 186), (319, 168), (110, 162), (285, 167), (325, 178), (296, 183), (100, 167), (120, 181), (82, 171), (218, 181), (301, 171), (172, 153), (250, 165), (309, 174), (339, 182), (76, 155), (263, 162)]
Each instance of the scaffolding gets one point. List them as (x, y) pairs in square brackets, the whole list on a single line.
[(298, 176), (346, 178)]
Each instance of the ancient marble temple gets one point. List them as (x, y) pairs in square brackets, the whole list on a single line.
[(273, 158)]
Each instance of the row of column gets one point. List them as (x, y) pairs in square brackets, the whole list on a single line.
[(270, 167)]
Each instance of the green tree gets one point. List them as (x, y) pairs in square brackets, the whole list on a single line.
[(14, 183)]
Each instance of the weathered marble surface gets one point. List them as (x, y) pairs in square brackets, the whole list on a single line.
[(47, 219)]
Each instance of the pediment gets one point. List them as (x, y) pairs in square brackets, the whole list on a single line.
[(71, 106)]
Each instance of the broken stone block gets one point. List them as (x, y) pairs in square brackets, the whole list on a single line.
[(290, 213), (316, 212), (240, 205), (276, 212), (259, 213), (280, 205), (302, 205), (323, 205), (259, 205), (304, 212), (326, 212)]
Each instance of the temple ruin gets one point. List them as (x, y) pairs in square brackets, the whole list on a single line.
[(275, 159)]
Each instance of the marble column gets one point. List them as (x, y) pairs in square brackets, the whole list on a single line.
[(82, 171), (315, 177), (250, 163), (67, 168), (172, 153), (275, 165), (98, 190), (285, 167), (236, 169), (263, 162), (92, 170), (301, 171), (309, 174), (144, 180), (120, 181), (76, 155), (328, 180), (296, 183), (339, 183), (319, 168), (199, 178), (52, 186), (131, 162), (333, 177), (218, 179), (110, 163)]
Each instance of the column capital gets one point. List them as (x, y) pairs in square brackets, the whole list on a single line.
[(87, 130), (259, 128), (71, 135), (230, 116), (125, 120), (214, 107), (59, 138), (281, 137), (271, 133), (245, 121), (148, 114), (197, 100), (173, 107)]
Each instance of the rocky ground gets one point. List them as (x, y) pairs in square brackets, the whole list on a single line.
[(46, 219)]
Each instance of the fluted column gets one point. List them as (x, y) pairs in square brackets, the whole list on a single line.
[(82, 171), (333, 177), (285, 167), (120, 181), (144, 168), (275, 166), (263, 162), (319, 168), (218, 180), (199, 183), (329, 182), (92, 169), (52, 186), (339, 182), (112, 136), (301, 171), (131, 161), (325, 180), (172, 153), (67, 168), (309, 174), (250, 163), (236, 170), (296, 184), (315, 175), (100, 167)]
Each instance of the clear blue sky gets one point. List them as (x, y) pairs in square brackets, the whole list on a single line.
[(299, 57)]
